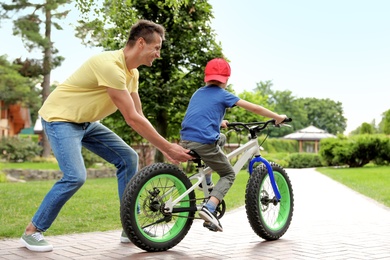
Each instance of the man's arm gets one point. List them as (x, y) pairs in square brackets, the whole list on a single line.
[(124, 102), (137, 103)]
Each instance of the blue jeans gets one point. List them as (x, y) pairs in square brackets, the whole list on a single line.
[(66, 140)]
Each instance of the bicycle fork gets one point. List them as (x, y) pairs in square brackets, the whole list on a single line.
[(258, 158)]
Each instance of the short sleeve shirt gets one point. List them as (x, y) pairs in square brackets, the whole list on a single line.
[(205, 113), (83, 96)]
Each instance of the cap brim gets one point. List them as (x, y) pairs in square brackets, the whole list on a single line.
[(219, 78)]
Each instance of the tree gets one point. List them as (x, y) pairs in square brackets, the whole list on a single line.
[(14, 87), (366, 128), (384, 125), (242, 115), (166, 87), (325, 114), (29, 26), (265, 87), (283, 102)]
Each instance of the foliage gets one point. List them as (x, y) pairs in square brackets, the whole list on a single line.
[(165, 87), (15, 149), (325, 114), (90, 159), (237, 114), (34, 25), (355, 151), (384, 125), (283, 102), (32, 137), (277, 145), (366, 128), (304, 160), (14, 88), (279, 158)]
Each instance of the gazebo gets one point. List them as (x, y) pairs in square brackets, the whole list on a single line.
[(310, 135)]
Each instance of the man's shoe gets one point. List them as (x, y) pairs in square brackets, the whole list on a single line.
[(210, 186), (149, 233), (36, 242), (211, 221), (124, 237)]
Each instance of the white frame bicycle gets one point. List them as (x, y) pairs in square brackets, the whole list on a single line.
[(159, 203)]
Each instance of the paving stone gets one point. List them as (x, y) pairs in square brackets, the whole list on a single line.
[(330, 221)]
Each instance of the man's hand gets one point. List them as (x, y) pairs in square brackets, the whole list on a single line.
[(177, 154)]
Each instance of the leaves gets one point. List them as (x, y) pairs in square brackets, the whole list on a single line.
[(166, 87)]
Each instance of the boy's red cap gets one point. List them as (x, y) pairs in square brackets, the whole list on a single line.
[(217, 69)]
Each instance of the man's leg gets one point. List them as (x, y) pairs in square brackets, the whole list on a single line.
[(65, 140), (108, 145)]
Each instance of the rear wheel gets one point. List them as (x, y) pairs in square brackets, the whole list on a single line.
[(268, 217), (144, 217)]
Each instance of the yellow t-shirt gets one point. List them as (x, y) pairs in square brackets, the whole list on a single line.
[(83, 96)]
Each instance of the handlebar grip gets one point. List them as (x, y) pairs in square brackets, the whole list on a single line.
[(288, 119)]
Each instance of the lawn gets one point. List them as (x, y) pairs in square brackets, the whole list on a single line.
[(95, 207), (372, 181)]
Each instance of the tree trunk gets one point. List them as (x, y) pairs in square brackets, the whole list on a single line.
[(162, 128), (46, 75)]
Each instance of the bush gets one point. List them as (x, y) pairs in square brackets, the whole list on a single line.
[(14, 149), (276, 145), (304, 160), (91, 159), (279, 158), (356, 151)]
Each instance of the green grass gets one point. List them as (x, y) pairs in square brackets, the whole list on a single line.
[(30, 165), (95, 207), (236, 195), (373, 182)]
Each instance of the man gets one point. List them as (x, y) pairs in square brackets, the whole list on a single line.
[(106, 82)]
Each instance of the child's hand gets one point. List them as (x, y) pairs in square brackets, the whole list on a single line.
[(224, 123), (280, 119)]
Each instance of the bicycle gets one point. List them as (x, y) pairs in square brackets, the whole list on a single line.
[(159, 203)]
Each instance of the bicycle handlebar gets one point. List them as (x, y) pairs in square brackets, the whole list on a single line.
[(258, 125)]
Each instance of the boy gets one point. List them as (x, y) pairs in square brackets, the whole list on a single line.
[(201, 132)]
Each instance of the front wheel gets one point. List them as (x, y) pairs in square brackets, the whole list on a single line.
[(268, 217), (144, 214)]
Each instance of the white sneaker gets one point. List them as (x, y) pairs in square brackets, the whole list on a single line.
[(124, 237), (211, 221)]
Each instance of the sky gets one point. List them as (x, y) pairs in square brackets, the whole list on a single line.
[(336, 49)]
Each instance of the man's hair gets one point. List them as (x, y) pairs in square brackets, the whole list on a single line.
[(146, 30)]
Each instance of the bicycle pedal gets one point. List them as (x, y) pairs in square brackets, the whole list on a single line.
[(210, 226)]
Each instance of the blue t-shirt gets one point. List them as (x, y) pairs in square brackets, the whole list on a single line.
[(205, 113)]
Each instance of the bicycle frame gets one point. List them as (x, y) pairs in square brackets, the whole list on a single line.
[(247, 151)]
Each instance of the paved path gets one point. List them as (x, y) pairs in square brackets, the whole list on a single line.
[(330, 222)]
